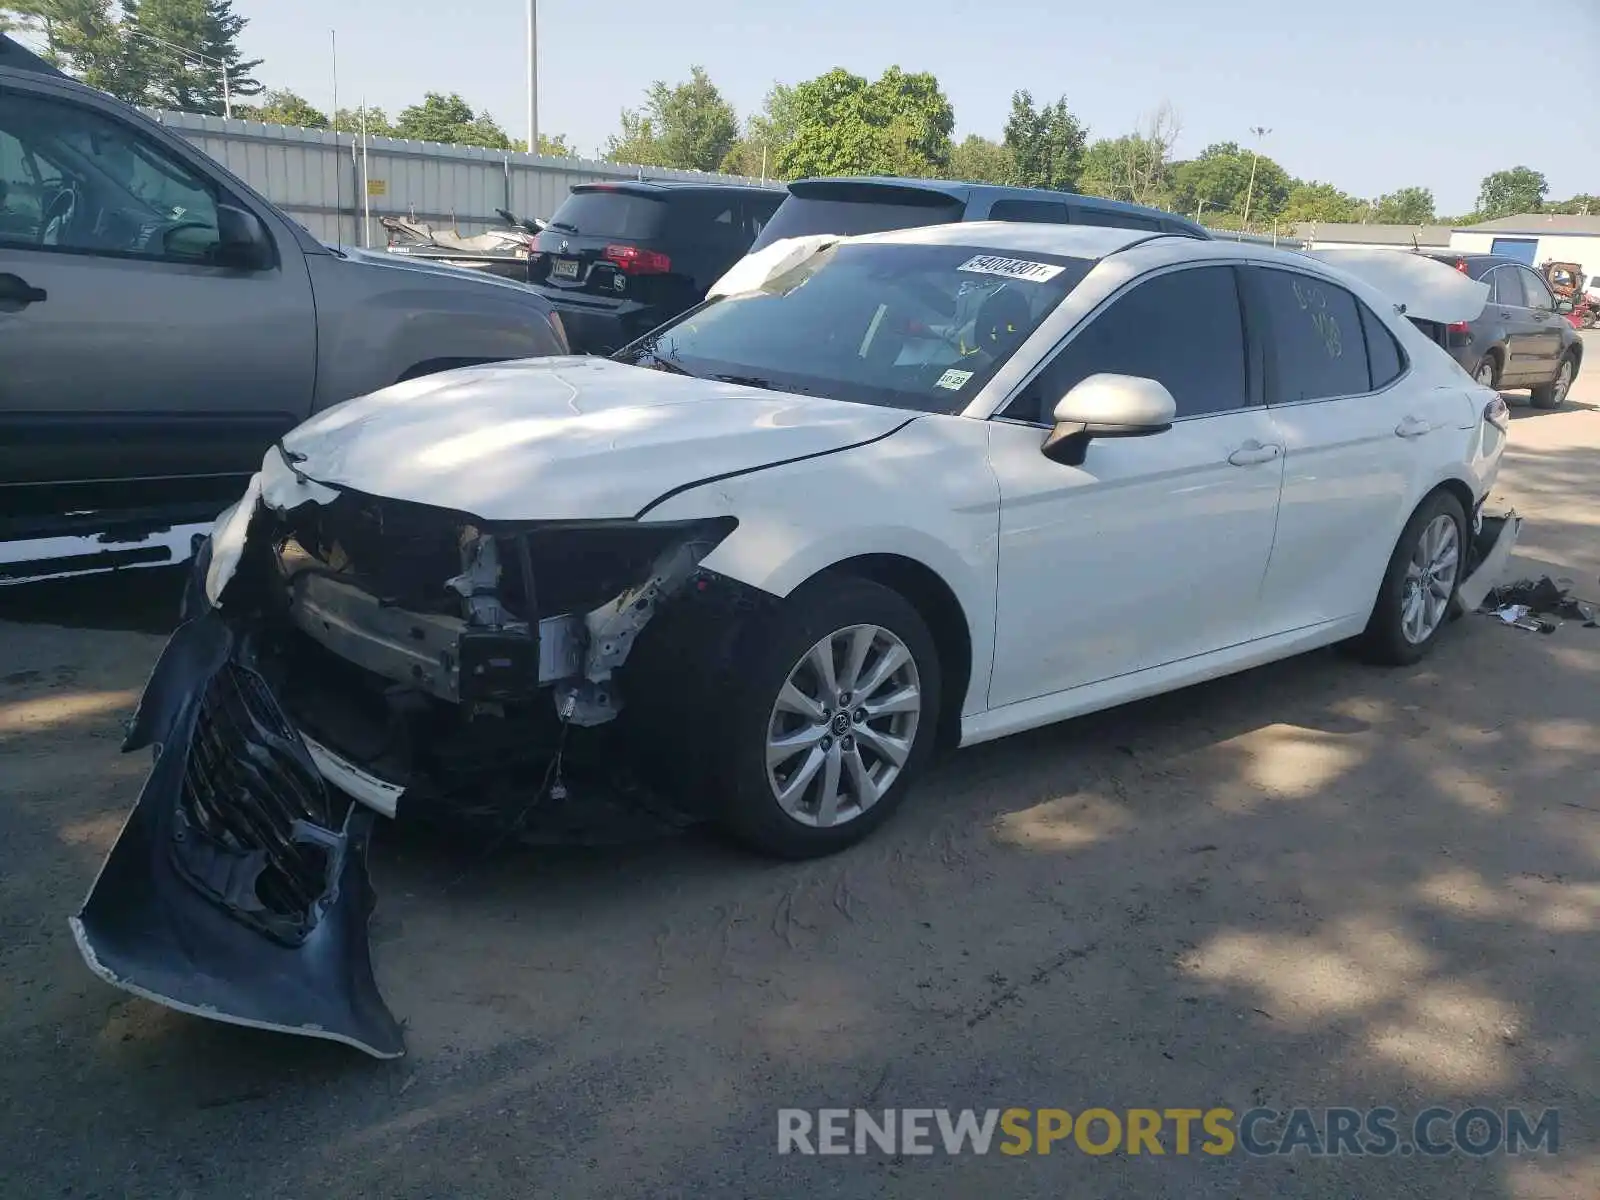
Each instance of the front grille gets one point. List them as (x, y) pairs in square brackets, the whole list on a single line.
[(252, 793)]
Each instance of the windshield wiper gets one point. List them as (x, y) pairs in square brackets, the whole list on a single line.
[(756, 381), (570, 228)]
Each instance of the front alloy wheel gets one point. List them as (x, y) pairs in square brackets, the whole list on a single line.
[(842, 727), (831, 711), (1554, 393), (1430, 579)]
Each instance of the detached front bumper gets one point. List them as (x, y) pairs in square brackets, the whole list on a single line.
[(238, 887)]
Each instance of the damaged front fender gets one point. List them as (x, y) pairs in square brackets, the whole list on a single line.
[(237, 889)]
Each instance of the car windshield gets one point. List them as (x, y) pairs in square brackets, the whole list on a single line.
[(903, 326)]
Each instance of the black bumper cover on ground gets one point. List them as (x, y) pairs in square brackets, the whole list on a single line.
[(147, 928)]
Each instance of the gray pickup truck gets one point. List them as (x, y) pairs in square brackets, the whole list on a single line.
[(162, 324)]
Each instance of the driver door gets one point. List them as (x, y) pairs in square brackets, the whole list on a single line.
[(1155, 549), (126, 353)]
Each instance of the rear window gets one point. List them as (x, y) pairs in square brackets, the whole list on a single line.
[(798, 216), (610, 214)]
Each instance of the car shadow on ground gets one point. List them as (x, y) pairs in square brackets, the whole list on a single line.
[(1316, 883)]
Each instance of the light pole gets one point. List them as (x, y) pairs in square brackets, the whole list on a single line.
[(1249, 192), (533, 76)]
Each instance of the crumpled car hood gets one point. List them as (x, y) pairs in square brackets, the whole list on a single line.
[(571, 438)]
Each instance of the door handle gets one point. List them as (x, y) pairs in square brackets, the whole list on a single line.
[(1252, 453), (1413, 427), (16, 293)]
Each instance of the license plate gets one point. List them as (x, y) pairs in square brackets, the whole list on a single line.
[(564, 268)]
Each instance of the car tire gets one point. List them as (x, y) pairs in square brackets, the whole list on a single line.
[(1554, 393), (1394, 635), (849, 616), (1487, 372)]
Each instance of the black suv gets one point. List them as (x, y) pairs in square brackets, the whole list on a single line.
[(1522, 339), (618, 259)]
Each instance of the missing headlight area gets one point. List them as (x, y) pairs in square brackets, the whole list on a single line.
[(440, 665)]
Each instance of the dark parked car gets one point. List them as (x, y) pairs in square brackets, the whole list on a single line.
[(618, 259), (1522, 339), (871, 204)]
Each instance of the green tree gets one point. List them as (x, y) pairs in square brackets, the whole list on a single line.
[(84, 38), (897, 125), (1046, 143), (977, 159), (551, 145), (1505, 193), (189, 79), (281, 107), (637, 143), (689, 126), (448, 119), (767, 134), (349, 120), (1408, 206), (1134, 167), (1218, 181), (1579, 205), (1319, 202)]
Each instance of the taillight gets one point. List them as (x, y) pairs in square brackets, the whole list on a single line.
[(1498, 414), (1461, 265), (1457, 327), (631, 260)]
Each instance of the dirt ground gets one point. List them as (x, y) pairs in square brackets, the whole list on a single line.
[(1316, 884)]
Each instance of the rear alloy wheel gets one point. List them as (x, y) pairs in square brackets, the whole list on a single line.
[(1419, 588), (1487, 372), (836, 716), (1554, 393)]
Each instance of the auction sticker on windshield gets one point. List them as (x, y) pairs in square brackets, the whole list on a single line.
[(1011, 268)]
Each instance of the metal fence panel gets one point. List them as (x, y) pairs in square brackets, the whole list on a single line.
[(324, 181)]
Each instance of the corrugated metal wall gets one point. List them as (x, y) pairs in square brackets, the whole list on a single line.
[(317, 177)]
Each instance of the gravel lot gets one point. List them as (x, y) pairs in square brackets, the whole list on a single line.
[(1316, 884)]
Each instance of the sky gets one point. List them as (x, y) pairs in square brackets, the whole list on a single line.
[(1370, 95)]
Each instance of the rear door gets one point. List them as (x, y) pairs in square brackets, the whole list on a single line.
[(1544, 325), (1509, 301), (124, 351), (1358, 435)]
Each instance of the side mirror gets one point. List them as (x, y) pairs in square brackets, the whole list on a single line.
[(1563, 306), (242, 241), (1103, 406)]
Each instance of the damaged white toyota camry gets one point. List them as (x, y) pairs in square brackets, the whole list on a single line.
[(878, 495)]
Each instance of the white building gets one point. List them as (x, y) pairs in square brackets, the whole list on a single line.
[(1340, 235), (1535, 238)]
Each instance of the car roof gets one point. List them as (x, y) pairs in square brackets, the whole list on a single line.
[(1069, 241), (666, 187), (968, 192), (17, 57)]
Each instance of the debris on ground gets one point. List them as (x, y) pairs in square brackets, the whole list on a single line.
[(1532, 603)]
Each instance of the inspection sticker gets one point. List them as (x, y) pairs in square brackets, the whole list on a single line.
[(953, 379), (1011, 268)]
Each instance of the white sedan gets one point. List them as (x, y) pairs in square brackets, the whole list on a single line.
[(915, 488)]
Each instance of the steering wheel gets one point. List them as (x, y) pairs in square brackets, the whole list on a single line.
[(63, 207)]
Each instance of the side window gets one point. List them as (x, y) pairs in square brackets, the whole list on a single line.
[(1538, 294), (1042, 211), (1116, 220), (1384, 355), (1508, 288), (93, 185), (1200, 358), (1317, 347)]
